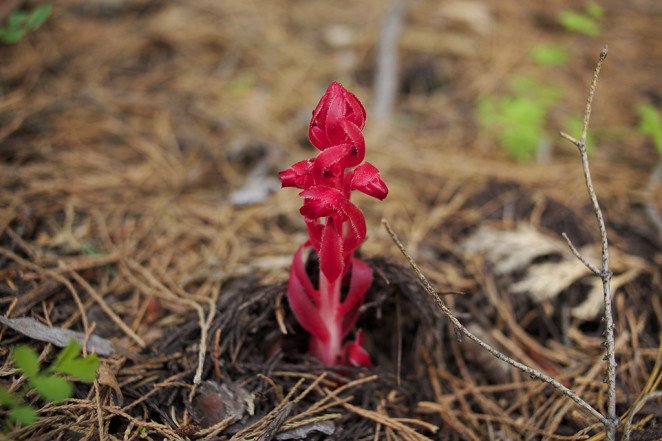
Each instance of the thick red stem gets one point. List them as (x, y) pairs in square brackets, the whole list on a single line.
[(329, 351)]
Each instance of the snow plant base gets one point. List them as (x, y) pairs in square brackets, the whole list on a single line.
[(336, 228)]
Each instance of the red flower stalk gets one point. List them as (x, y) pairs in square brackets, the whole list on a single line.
[(336, 228)]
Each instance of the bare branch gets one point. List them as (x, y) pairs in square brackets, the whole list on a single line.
[(638, 405), (531, 372), (575, 251), (604, 273)]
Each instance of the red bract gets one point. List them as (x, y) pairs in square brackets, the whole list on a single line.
[(336, 228), (337, 110)]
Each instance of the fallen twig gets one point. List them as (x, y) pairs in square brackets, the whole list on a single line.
[(532, 372)]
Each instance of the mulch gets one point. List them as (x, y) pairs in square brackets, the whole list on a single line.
[(132, 131)]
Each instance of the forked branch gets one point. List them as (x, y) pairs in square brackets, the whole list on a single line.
[(611, 420), (534, 373), (604, 273)]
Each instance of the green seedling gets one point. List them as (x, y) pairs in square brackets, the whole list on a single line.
[(21, 22), (90, 250), (518, 119), (650, 124), (586, 22), (549, 55), (50, 383)]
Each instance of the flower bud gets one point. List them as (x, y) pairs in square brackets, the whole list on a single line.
[(299, 175), (366, 179), (336, 105)]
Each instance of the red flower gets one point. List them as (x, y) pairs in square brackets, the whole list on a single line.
[(336, 228)]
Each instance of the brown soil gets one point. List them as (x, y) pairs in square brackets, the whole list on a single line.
[(128, 126)]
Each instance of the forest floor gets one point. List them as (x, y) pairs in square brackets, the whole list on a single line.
[(140, 143)]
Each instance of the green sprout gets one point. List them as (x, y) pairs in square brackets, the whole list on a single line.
[(49, 383), (549, 55), (518, 119), (650, 124), (21, 22), (584, 22)]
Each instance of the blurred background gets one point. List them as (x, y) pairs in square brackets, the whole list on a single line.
[(191, 108)]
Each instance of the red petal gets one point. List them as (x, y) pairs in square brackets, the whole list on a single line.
[(359, 284), (299, 270), (331, 256), (320, 201), (300, 295), (299, 175), (334, 116), (318, 137), (355, 355), (361, 279), (331, 163), (366, 179), (356, 230), (355, 137), (315, 228), (316, 131)]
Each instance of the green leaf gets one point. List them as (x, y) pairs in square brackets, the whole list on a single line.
[(578, 22), (24, 415), (518, 123), (543, 95), (9, 36), (650, 123), (26, 360), (17, 19), (522, 142), (523, 112), (549, 55), (7, 399), (53, 388), (595, 10), (83, 369), (39, 16), (67, 353)]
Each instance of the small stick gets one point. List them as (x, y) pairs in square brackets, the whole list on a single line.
[(531, 372), (204, 330), (604, 273), (105, 308), (583, 260), (628, 423), (217, 354), (386, 77), (99, 409)]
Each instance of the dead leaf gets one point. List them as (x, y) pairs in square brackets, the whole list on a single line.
[(106, 377), (325, 427), (511, 250), (508, 251), (546, 280), (215, 402), (594, 302), (58, 336)]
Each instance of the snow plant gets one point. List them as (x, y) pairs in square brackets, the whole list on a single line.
[(329, 308)]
